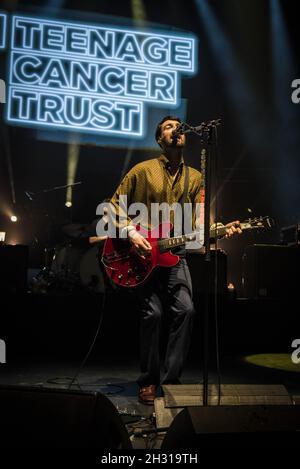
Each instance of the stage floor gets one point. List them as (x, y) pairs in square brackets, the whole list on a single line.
[(47, 338), (115, 378)]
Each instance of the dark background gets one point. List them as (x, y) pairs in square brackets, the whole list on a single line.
[(248, 56)]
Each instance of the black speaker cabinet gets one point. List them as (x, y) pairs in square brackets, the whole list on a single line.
[(270, 271), (13, 268), (196, 428), (52, 418)]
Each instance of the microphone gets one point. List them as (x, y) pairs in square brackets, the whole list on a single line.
[(179, 130), (204, 127)]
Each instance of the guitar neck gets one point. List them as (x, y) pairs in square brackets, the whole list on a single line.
[(218, 232), (170, 243)]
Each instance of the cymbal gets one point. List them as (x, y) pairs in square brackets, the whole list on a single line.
[(74, 230)]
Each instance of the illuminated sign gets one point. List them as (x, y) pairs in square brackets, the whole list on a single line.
[(93, 78), (2, 30)]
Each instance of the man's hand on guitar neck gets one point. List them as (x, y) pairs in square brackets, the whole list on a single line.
[(140, 244), (232, 229)]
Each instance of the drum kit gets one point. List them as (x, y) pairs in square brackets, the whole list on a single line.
[(72, 265)]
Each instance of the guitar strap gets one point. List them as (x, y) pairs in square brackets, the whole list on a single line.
[(183, 198)]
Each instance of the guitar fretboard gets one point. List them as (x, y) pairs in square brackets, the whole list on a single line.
[(217, 232), (176, 241)]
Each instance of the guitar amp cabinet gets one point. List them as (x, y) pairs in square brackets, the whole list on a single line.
[(290, 235), (270, 271), (13, 268)]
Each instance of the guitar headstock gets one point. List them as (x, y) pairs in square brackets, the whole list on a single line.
[(259, 223)]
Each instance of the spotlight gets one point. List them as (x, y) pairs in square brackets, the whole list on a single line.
[(13, 218), (68, 204)]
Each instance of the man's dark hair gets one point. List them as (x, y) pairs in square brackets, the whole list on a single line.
[(158, 128)]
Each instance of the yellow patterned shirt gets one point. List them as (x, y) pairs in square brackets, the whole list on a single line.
[(151, 182)]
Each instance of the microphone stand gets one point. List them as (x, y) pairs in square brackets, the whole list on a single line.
[(31, 194), (205, 131), (207, 198)]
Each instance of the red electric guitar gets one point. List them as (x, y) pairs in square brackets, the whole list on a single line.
[(127, 269)]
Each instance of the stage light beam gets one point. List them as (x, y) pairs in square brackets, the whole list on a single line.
[(245, 102), (282, 60), (138, 12), (73, 157), (286, 121)]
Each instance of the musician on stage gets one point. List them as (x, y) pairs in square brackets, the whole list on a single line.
[(168, 292)]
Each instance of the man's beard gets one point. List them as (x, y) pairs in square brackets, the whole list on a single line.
[(176, 143)]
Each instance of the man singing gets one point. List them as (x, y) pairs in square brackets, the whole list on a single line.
[(166, 179)]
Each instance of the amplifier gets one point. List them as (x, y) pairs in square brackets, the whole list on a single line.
[(290, 235), (270, 271)]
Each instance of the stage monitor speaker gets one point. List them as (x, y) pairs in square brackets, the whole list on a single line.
[(196, 428), (53, 418), (270, 271)]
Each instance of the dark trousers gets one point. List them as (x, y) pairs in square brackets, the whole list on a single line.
[(167, 293)]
